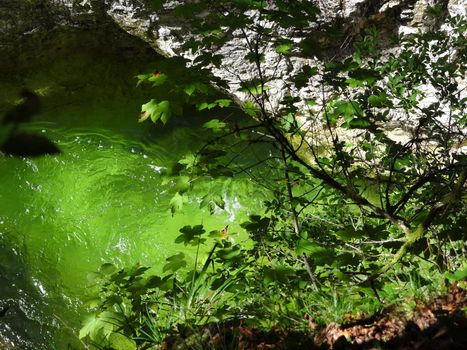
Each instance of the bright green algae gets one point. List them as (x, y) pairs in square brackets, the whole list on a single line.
[(102, 200)]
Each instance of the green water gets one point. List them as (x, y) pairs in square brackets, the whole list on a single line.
[(102, 200)]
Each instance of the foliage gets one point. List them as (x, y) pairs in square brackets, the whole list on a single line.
[(140, 308), (354, 210), (336, 145)]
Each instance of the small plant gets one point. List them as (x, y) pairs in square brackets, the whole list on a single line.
[(137, 308)]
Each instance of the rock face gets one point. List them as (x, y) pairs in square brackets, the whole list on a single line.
[(19, 18)]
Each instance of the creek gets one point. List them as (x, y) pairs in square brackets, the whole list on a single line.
[(104, 198)]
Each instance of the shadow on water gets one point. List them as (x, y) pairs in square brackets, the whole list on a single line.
[(19, 143)]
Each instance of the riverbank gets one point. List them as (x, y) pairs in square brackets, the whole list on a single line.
[(438, 324)]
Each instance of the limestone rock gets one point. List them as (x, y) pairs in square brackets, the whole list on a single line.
[(166, 33)]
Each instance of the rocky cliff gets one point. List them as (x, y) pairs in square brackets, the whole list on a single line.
[(165, 33)]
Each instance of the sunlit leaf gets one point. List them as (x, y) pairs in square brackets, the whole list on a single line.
[(157, 79), (213, 201), (120, 342), (156, 111), (176, 203), (189, 160), (284, 48), (89, 326), (215, 125), (182, 184), (206, 105), (223, 102), (459, 275)]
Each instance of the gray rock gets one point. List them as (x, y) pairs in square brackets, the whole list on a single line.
[(165, 33)]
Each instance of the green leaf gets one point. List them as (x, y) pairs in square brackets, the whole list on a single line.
[(89, 326), (137, 270), (208, 58), (215, 124), (141, 79), (354, 83), (321, 255), (363, 75), (358, 123), (183, 184), (154, 282), (176, 203), (434, 11), (156, 111), (252, 57), (120, 342), (379, 100), (205, 105), (102, 323), (310, 71), (187, 10), (304, 246), (284, 48), (189, 160), (348, 109), (256, 223), (229, 253), (157, 79), (278, 274), (459, 275), (252, 88), (94, 276), (311, 47), (109, 320), (348, 234), (250, 109), (223, 102), (212, 201), (190, 89)]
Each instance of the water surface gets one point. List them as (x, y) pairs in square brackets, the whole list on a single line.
[(104, 199)]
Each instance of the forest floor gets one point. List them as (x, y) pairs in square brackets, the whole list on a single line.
[(440, 324)]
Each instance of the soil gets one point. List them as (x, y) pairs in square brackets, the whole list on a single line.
[(438, 325)]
